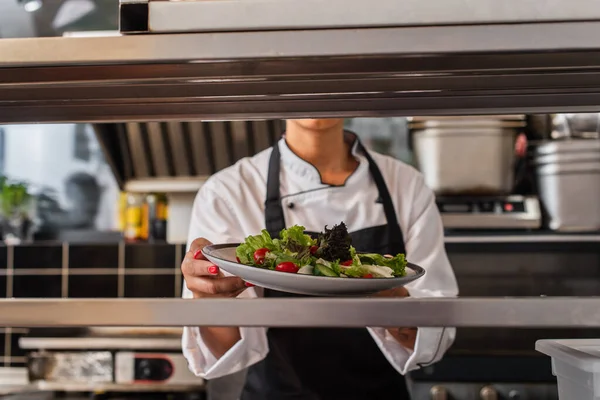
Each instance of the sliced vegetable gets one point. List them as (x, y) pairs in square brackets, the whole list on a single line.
[(322, 270), (259, 255), (306, 270), (287, 266)]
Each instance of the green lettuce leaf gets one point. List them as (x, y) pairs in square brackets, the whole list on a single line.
[(245, 251), (295, 240), (397, 263)]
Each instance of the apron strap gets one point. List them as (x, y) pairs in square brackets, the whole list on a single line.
[(384, 197), (274, 216)]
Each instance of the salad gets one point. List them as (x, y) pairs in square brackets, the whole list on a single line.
[(330, 254)]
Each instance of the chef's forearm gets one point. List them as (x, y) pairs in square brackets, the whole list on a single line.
[(220, 339), (405, 336)]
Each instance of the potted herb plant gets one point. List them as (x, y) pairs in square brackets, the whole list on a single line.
[(15, 206)]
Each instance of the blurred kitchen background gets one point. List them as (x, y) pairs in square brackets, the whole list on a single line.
[(102, 211)]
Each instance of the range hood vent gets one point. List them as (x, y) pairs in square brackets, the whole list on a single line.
[(158, 150)]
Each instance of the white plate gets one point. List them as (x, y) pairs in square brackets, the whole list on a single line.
[(223, 255)]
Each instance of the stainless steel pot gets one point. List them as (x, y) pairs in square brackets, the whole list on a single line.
[(576, 146), (473, 161), (569, 184)]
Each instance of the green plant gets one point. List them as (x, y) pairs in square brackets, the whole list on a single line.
[(14, 197)]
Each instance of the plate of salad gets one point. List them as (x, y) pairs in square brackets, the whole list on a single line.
[(325, 265)]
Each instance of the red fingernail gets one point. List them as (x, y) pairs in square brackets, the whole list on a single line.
[(213, 269), (248, 284), (197, 254)]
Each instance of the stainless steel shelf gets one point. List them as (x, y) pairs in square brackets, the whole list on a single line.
[(318, 312), (199, 15), (523, 238), (100, 343), (425, 70)]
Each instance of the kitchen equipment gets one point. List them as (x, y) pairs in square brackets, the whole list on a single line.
[(495, 212), (224, 256), (109, 359), (568, 175), (466, 156), (582, 125), (576, 365), (484, 378)]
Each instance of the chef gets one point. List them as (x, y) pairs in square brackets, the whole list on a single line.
[(317, 175)]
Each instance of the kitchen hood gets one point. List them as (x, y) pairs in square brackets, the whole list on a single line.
[(475, 57)]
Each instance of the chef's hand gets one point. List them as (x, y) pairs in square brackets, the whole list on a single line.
[(204, 279), (405, 336)]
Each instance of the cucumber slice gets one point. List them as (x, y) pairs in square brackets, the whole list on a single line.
[(322, 270)]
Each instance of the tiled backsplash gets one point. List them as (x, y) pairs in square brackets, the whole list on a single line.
[(55, 270)]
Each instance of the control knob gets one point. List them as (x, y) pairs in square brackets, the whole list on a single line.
[(438, 393), (488, 393)]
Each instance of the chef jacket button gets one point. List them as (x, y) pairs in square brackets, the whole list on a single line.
[(290, 205)]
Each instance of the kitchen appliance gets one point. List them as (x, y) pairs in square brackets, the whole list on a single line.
[(485, 378), (490, 212), (109, 359), (466, 155), (568, 175)]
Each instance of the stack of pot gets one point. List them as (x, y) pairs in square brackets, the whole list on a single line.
[(568, 174), (467, 155)]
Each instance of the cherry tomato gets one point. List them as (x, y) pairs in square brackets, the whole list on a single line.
[(368, 276), (347, 263), (287, 266), (313, 249), (259, 255)]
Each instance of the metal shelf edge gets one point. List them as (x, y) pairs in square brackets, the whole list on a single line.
[(526, 312)]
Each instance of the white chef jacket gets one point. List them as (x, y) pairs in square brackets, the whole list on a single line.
[(230, 206)]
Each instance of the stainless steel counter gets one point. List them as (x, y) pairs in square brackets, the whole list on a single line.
[(319, 312)]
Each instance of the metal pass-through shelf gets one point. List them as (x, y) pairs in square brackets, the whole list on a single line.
[(476, 68), (320, 312)]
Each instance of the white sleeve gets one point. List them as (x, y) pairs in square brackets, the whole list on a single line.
[(214, 220), (424, 240)]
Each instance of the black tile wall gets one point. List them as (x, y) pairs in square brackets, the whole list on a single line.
[(91, 271), (3, 257), (150, 285), (37, 286), (38, 256), (16, 350), (3, 285), (2, 342), (94, 256), (150, 256), (86, 286)]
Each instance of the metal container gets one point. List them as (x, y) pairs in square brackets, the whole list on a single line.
[(465, 161), (568, 146), (570, 192)]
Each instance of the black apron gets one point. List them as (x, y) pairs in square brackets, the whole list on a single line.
[(332, 363)]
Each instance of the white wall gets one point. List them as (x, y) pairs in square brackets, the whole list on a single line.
[(44, 155)]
